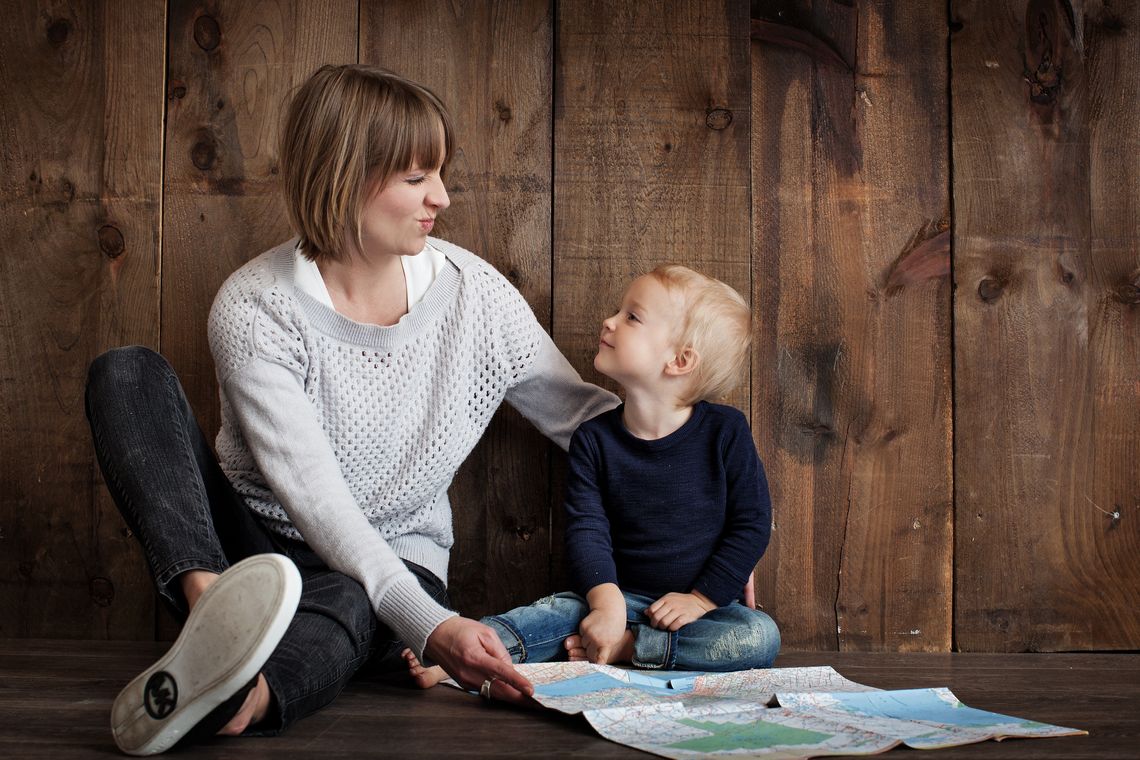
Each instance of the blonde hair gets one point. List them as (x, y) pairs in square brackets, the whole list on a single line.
[(717, 324), (347, 131)]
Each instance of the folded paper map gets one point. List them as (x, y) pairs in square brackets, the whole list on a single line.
[(776, 714)]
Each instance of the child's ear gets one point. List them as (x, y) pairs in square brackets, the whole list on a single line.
[(683, 363)]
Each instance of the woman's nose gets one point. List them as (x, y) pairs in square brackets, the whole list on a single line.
[(437, 196)]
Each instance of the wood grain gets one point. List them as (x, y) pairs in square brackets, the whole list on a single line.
[(490, 63), (851, 372), (81, 174), (1047, 337)]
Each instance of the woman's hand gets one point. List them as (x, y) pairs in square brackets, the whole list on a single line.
[(471, 653), (674, 610)]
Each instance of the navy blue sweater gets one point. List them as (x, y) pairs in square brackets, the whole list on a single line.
[(686, 512)]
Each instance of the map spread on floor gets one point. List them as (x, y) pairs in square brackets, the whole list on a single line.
[(775, 714)]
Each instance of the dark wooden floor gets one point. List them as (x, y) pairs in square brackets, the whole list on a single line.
[(55, 698)]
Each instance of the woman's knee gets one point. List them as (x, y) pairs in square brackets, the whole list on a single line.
[(129, 366)]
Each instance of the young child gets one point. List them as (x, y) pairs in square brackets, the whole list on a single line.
[(667, 502)]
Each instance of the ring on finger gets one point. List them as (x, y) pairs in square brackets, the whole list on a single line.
[(485, 689)]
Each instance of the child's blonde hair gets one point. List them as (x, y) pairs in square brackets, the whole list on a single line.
[(347, 131), (717, 324)]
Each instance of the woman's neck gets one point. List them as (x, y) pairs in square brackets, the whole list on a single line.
[(651, 417), (371, 291)]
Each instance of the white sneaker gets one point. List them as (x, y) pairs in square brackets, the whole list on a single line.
[(231, 632)]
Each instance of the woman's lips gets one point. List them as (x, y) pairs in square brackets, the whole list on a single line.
[(426, 224)]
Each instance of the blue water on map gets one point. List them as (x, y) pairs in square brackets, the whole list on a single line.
[(597, 681), (918, 704)]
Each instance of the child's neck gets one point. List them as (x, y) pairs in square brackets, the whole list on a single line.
[(650, 417)]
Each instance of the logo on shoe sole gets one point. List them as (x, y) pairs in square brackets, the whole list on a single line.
[(160, 695)]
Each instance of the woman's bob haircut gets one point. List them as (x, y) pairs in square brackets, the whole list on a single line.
[(347, 131)]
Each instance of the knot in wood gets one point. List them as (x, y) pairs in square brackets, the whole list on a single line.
[(58, 31), (207, 33), (718, 118), (1127, 291), (503, 110), (102, 591), (990, 289), (111, 241), (524, 532), (177, 89), (204, 154)]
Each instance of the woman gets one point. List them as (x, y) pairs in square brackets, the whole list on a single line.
[(358, 365)]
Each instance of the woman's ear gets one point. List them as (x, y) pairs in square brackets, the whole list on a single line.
[(683, 363)]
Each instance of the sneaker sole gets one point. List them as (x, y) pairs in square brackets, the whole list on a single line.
[(227, 638)]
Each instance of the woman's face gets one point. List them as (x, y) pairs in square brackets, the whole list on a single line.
[(397, 220)]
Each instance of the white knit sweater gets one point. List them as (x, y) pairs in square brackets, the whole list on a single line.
[(348, 435)]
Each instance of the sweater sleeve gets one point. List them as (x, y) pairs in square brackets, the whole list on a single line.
[(554, 397), (589, 547), (748, 519)]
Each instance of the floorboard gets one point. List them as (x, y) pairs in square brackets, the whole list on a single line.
[(55, 698)]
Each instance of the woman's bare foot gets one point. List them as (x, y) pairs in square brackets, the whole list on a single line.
[(623, 652), (252, 711), (425, 678), (195, 583)]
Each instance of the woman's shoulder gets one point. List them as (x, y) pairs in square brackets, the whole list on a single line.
[(251, 289), (260, 273)]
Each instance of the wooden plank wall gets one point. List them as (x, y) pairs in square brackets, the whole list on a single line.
[(81, 120), (851, 385), (1047, 338), (934, 215)]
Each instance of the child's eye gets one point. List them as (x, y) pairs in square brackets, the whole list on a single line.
[(632, 317), (416, 180)]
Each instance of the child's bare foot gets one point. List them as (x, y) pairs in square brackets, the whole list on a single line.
[(425, 678), (574, 649), (623, 652)]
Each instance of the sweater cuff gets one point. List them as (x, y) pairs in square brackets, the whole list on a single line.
[(721, 592), (408, 610)]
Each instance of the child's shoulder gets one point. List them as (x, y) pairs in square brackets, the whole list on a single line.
[(723, 414), (599, 427)]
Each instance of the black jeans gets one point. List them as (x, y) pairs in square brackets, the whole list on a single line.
[(172, 493)]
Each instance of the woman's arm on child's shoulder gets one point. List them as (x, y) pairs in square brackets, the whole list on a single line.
[(554, 397)]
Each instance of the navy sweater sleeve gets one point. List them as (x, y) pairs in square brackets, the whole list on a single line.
[(588, 546), (748, 517)]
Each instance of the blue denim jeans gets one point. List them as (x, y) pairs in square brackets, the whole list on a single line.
[(173, 495), (731, 637)]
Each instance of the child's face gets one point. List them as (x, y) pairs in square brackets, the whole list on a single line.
[(638, 341)]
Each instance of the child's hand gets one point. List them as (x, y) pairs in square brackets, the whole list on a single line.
[(602, 632), (674, 610)]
